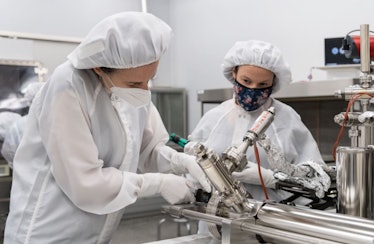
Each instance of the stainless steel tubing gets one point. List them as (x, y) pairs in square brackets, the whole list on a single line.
[(279, 221), (365, 49), (355, 181), (281, 236), (317, 223), (248, 225), (312, 224)]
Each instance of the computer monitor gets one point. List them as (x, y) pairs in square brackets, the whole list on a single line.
[(334, 54)]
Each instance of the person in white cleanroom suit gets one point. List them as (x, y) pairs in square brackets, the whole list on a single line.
[(7, 118), (256, 69), (15, 130), (90, 129)]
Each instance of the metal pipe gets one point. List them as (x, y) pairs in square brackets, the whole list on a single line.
[(282, 236), (144, 6), (348, 92), (365, 49), (365, 78), (286, 220), (365, 138), (258, 128), (246, 225), (334, 227)]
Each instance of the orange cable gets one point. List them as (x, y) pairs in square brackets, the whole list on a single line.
[(259, 171)]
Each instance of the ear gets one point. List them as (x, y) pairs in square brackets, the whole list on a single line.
[(233, 72), (98, 71)]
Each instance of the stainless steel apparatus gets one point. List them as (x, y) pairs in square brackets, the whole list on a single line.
[(355, 181), (230, 209), (355, 163), (280, 223)]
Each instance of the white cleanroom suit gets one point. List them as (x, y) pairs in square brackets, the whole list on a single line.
[(226, 125), (14, 132), (76, 167)]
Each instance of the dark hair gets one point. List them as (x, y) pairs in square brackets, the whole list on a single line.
[(236, 68), (107, 70)]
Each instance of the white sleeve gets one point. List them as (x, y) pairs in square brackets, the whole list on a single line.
[(294, 137), (155, 154), (75, 161), (12, 139), (209, 120)]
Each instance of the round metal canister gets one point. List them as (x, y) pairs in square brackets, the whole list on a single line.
[(355, 181)]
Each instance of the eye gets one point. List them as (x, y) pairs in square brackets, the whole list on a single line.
[(135, 84), (140, 85), (264, 84)]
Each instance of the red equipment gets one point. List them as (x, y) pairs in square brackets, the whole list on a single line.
[(351, 47)]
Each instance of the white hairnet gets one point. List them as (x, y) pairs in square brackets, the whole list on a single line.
[(123, 40), (6, 120), (261, 54)]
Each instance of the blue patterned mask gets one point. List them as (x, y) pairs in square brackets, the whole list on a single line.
[(251, 99)]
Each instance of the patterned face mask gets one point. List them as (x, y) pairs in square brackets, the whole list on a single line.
[(251, 99)]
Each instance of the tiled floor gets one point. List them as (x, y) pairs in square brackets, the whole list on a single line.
[(148, 229)]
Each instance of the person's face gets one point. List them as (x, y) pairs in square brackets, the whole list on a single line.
[(129, 78), (253, 76)]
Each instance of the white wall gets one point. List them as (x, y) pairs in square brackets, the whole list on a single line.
[(206, 29), (161, 9), (62, 18), (66, 19)]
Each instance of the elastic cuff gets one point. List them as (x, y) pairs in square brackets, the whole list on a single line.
[(150, 185), (176, 165)]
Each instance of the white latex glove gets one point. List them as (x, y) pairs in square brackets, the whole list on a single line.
[(173, 188), (250, 176), (189, 147), (182, 163)]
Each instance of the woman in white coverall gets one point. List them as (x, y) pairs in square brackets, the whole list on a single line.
[(90, 128), (256, 69), (15, 130)]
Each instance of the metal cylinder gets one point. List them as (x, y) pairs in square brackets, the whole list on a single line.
[(355, 181), (215, 176), (311, 222), (260, 125), (365, 49), (289, 223)]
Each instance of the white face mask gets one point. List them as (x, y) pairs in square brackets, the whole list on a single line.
[(134, 96)]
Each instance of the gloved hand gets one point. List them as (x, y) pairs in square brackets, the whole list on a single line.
[(317, 179), (182, 163), (189, 147), (173, 188), (250, 175)]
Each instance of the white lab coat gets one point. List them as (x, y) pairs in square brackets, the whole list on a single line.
[(75, 169), (12, 139), (226, 125)]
